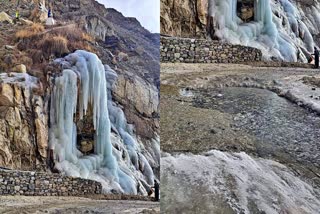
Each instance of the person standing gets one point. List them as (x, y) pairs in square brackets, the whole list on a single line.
[(316, 57), (156, 190)]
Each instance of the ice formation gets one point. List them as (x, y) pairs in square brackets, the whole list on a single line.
[(86, 83), (21, 79), (219, 181), (281, 28)]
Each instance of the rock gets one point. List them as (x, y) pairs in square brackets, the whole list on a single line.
[(23, 128), (4, 17), (42, 137), (95, 27), (9, 59), (138, 93), (9, 47), (184, 18), (20, 68), (176, 55), (86, 146), (26, 21), (6, 95), (141, 101)]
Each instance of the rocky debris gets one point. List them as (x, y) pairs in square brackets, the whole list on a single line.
[(186, 50), (4, 17), (43, 184), (184, 18)]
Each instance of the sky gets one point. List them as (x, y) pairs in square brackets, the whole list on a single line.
[(146, 11)]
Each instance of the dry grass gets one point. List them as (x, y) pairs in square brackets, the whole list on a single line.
[(30, 31), (55, 45), (43, 46), (87, 37)]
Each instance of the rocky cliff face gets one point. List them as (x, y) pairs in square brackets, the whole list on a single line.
[(184, 18), (23, 124)]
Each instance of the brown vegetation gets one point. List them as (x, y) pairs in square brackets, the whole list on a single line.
[(30, 31), (53, 43)]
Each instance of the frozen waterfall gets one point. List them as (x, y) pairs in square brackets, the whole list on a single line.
[(280, 29), (83, 85)]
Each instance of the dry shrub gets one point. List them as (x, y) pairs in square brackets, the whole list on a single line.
[(55, 45), (87, 37), (73, 33), (30, 31), (26, 60), (36, 56), (80, 45)]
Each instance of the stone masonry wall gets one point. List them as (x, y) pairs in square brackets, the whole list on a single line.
[(43, 184), (187, 50)]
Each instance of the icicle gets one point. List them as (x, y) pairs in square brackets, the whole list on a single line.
[(93, 91), (276, 37)]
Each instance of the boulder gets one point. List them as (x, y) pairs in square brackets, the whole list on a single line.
[(4, 17), (9, 47), (86, 146), (20, 69)]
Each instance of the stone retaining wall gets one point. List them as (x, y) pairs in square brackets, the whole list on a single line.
[(43, 184), (187, 50)]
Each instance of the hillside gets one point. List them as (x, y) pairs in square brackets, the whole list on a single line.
[(110, 99)]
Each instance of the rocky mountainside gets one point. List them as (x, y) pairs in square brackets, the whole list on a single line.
[(29, 73)]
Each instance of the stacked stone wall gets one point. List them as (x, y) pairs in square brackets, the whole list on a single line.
[(186, 50), (44, 184)]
